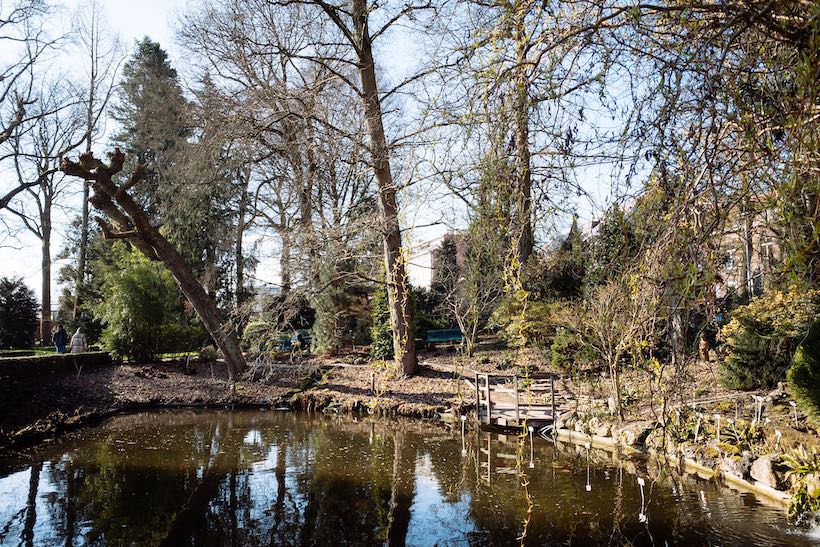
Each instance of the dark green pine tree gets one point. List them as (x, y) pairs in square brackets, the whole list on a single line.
[(566, 268), (18, 314), (201, 215), (152, 112), (189, 186)]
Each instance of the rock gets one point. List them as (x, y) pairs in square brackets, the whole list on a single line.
[(813, 485), (565, 420), (591, 425), (762, 471), (610, 403), (688, 451), (579, 426), (737, 466), (655, 439), (603, 430), (634, 433)]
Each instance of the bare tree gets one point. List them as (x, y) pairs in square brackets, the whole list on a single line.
[(24, 41), (613, 322), (103, 55), (37, 147), (310, 185), (352, 21)]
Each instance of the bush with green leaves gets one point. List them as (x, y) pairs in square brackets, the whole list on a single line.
[(804, 374), (342, 308), (524, 323), (18, 314), (804, 471), (762, 336), (257, 335), (560, 273), (142, 310), (567, 352), (427, 312)]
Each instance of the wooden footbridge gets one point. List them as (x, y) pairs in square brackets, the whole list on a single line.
[(512, 401), (509, 400)]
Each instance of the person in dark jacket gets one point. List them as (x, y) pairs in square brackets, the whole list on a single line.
[(60, 339)]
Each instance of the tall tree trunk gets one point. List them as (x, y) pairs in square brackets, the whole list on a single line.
[(748, 275), (284, 262), (45, 322), (523, 192), (616, 386), (136, 226), (93, 51), (239, 257), (83, 251), (401, 319)]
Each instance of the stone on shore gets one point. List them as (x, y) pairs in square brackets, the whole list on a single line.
[(763, 471), (737, 466)]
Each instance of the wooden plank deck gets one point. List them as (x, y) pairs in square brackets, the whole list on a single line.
[(513, 401)]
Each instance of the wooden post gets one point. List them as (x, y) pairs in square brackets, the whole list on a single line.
[(489, 400), (517, 413), (477, 398), (552, 395)]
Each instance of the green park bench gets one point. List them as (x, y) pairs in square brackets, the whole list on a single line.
[(283, 343), (438, 336)]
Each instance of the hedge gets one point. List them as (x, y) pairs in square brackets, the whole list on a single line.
[(24, 367)]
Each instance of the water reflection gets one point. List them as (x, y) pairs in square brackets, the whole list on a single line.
[(267, 478)]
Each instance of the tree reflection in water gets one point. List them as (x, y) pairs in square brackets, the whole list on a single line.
[(268, 478)]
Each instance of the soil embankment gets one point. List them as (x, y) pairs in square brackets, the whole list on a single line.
[(38, 408)]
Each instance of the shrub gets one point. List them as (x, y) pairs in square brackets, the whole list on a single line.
[(804, 374), (803, 469), (18, 314), (530, 325), (559, 274), (761, 337), (342, 309), (257, 334), (182, 336), (142, 310), (428, 312), (567, 352)]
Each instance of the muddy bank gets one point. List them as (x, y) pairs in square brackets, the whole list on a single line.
[(40, 408), (34, 409)]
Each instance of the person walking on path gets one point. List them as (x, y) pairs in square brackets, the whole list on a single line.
[(60, 339), (78, 344)]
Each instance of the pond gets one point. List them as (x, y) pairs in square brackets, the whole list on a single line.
[(280, 478)]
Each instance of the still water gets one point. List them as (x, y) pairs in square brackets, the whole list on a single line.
[(276, 478)]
